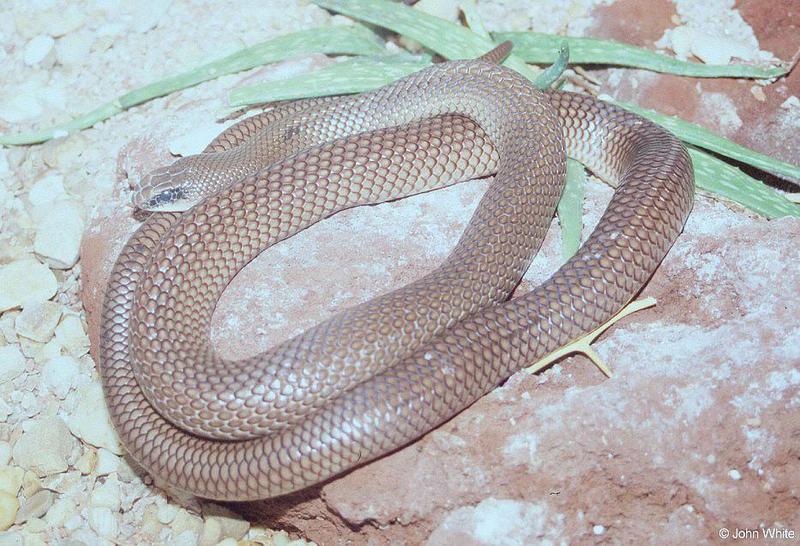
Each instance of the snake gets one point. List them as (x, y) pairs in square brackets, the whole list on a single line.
[(375, 377)]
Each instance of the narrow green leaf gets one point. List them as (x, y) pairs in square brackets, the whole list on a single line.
[(570, 209), (550, 74), (351, 39), (448, 39), (351, 76), (538, 48), (698, 136), (716, 176)]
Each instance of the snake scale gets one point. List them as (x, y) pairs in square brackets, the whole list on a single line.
[(383, 373)]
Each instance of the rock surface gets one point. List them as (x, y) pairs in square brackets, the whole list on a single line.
[(696, 431)]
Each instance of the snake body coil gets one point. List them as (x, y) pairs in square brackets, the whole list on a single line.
[(385, 372)]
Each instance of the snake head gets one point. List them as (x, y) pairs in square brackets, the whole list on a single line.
[(167, 189)]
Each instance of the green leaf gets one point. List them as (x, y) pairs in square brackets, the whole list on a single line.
[(534, 47), (698, 136), (448, 39), (716, 176), (570, 209), (351, 76)]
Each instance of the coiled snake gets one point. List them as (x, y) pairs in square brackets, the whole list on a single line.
[(383, 373)]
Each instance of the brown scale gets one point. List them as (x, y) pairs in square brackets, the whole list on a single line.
[(383, 373)]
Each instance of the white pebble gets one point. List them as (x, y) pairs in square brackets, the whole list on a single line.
[(37, 49), (186, 538), (73, 49), (25, 281), (38, 321), (681, 41), (103, 522), (90, 421), (36, 506), (65, 21), (598, 530), (735, 475), (47, 189), (166, 513), (107, 494), (212, 533), (20, 108), (58, 234), (59, 374), (45, 447), (717, 49), (72, 336), (63, 509), (11, 479), (5, 453), (8, 510), (148, 14), (12, 363), (106, 463)]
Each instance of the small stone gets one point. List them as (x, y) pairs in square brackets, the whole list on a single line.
[(107, 494), (90, 421), (72, 336), (718, 49), (231, 524), (8, 510), (598, 530), (681, 41), (63, 508), (44, 447), (150, 524), (735, 475), (148, 14), (38, 321), (25, 281), (58, 234), (31, 534), (107, 462), (11, 479), (86, 462), (184, 521), (103, 522), (12, 538), (166, 513), (47, 189), (12, 363), (62, 483), (64, 21), (73, 49), (212, 533), (186, 538), (5, 453), (36, 506), (60, 374), (37, 49), (21, 108)]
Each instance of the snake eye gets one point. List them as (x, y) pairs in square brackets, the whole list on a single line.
[(164, 199)]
